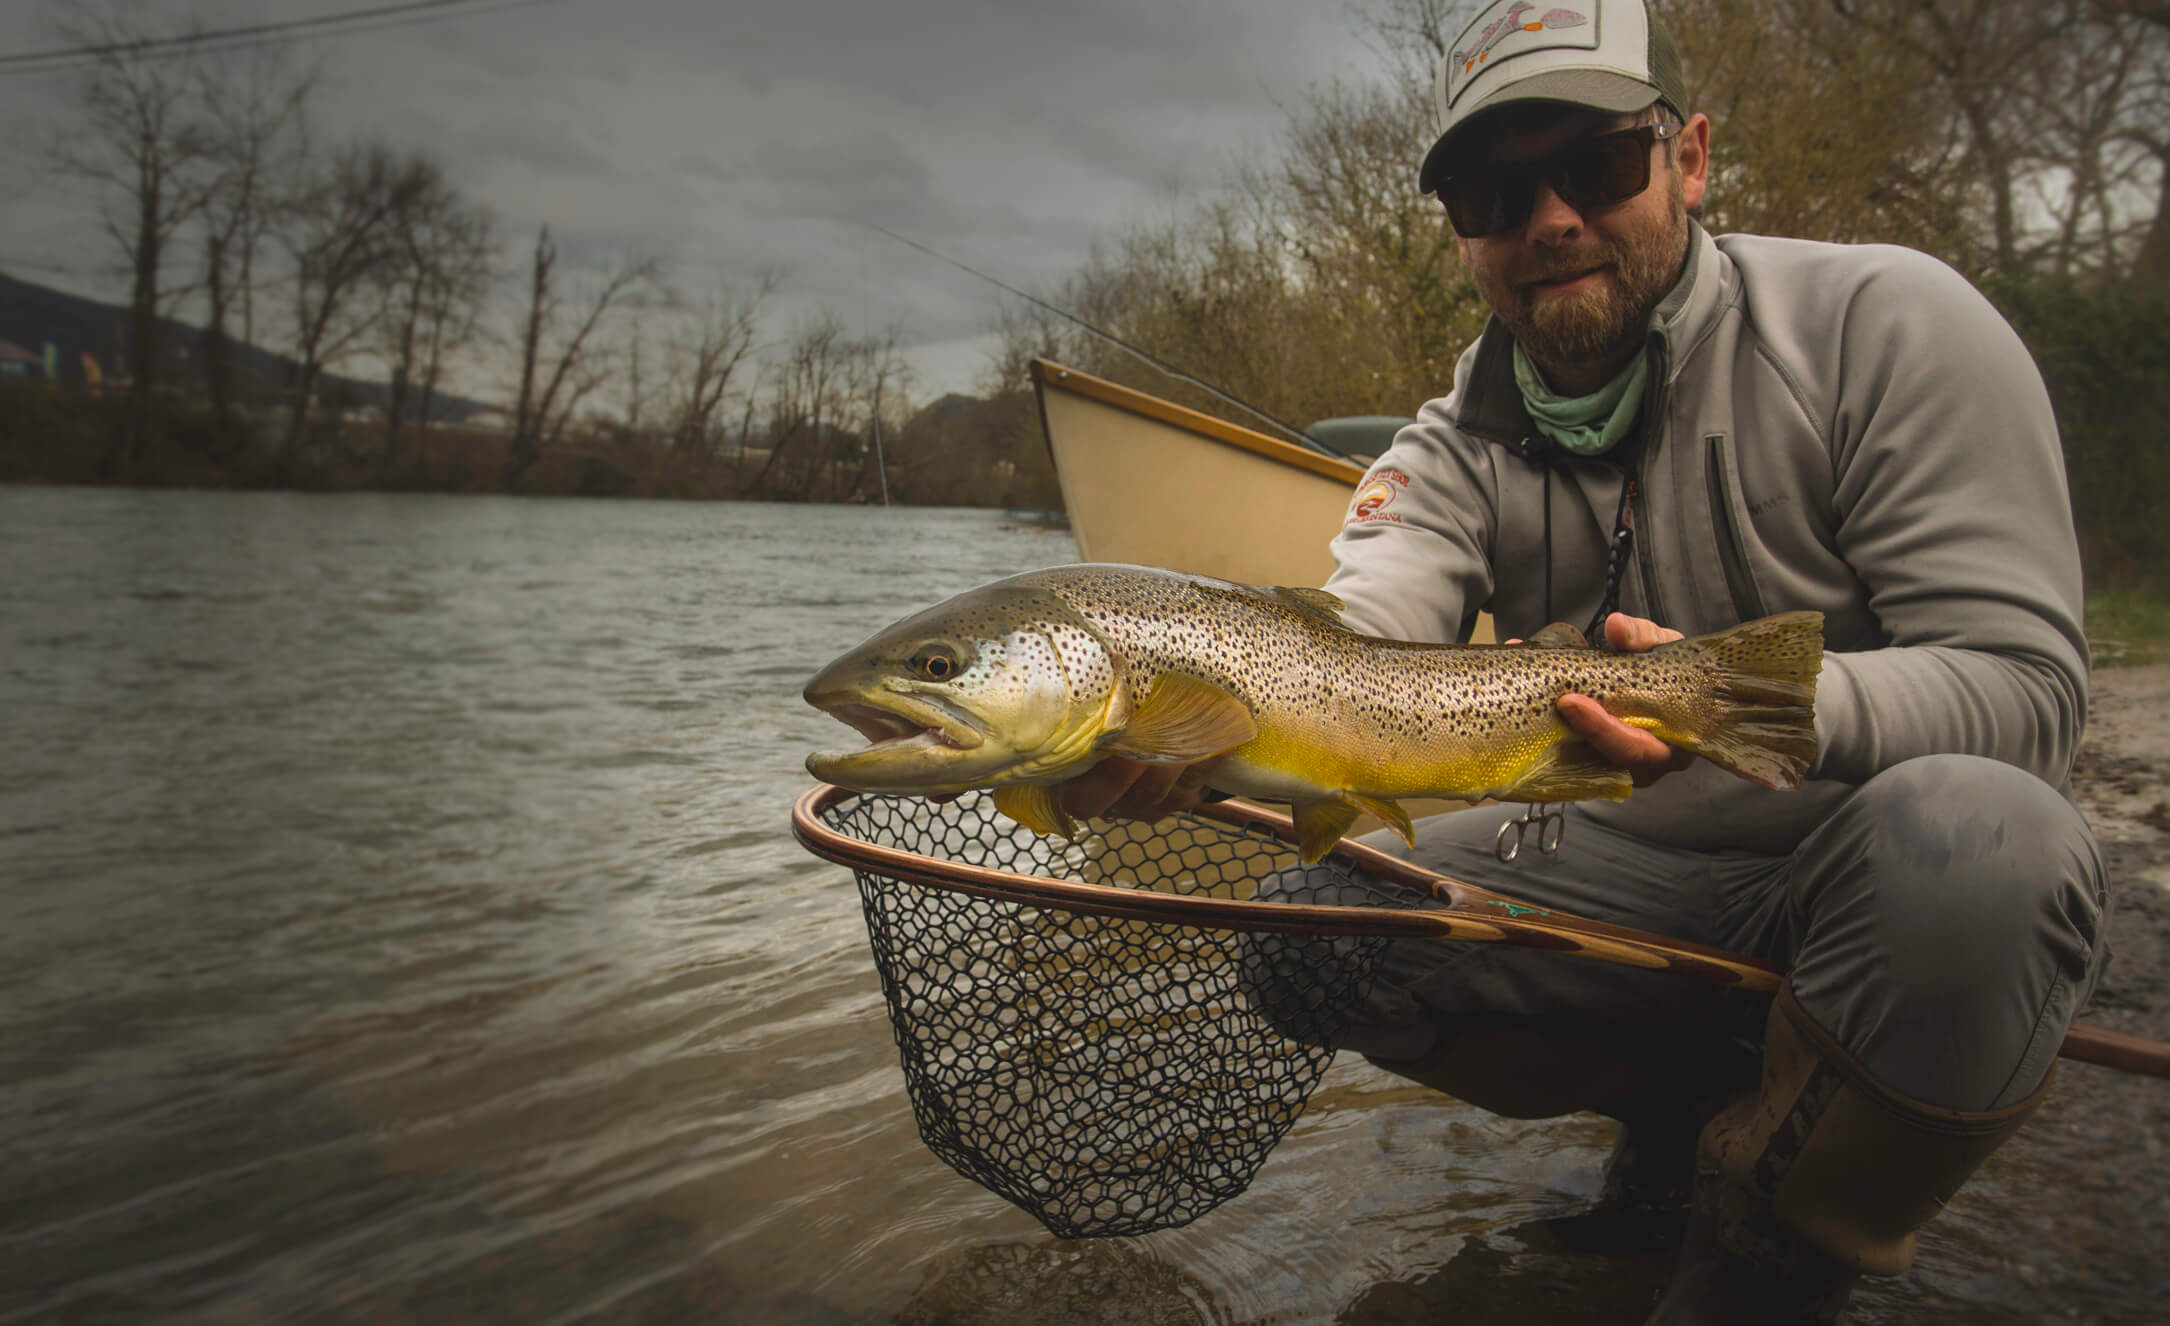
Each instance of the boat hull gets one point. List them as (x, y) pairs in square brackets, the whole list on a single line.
[(1150, 483)]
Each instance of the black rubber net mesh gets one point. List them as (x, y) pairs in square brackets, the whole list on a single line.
[(1110, 1076)]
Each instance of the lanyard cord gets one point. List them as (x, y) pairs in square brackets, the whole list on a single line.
[(1616, 557)]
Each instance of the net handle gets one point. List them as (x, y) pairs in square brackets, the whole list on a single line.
[(1474, 915), (1517, 923)]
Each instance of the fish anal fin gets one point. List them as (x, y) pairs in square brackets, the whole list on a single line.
[(1181, 719), (1387, 812), (1575, 773), (1320, 824), (1559, 635), (1035, 807)]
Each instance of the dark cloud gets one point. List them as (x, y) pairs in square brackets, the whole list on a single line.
[(763, 134), (547, 145)]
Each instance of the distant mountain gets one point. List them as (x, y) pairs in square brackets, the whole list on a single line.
[(32, 314)]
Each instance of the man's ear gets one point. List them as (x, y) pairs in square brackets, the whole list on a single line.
[(1693, 158)]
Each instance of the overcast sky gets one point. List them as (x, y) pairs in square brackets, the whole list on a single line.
[(736, 135)]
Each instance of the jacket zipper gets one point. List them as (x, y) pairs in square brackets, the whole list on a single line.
[(1653, 437), (1732, 557)]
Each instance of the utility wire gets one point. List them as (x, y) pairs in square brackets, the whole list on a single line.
[(1302, 438), (63, 58)]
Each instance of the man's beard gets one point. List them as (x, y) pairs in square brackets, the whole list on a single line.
[(1601, 323)]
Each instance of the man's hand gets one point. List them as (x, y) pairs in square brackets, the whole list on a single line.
[(1633, 749), (1120, 788)]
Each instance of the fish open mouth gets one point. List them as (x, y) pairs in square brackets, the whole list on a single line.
[(884, 728)]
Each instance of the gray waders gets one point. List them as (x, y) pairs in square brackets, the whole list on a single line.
[(1942, 930)]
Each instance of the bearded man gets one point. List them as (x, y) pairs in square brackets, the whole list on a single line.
[(1663, 431)]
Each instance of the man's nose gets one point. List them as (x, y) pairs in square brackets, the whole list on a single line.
[(1552, 221)]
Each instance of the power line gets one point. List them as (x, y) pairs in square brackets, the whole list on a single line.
[(1304, 439), (62, 58)]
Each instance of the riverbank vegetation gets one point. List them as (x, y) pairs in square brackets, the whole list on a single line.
[(302, 306), (2023, 141)]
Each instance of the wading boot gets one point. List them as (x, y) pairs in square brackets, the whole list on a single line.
[(1544, 1067), (1822, 1176), (1529, 1067), (1642, 1205)]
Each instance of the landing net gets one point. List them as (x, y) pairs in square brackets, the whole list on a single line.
[(1114, 1032)]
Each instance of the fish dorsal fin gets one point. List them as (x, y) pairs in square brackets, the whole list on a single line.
[(1181, 719), (1559, 635), (1036, 808), (1312, 602)]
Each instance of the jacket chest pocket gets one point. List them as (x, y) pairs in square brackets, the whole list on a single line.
[(1730, 528)]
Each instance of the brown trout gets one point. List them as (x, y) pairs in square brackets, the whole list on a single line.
[(1026, 682)]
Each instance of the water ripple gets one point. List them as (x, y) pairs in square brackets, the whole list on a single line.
[(399, 921)]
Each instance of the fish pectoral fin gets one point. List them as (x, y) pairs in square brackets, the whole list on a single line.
[(1181, 719), (1387, 812), (1036, 808), (1559, 635), (1575, 773), (1320, 824)]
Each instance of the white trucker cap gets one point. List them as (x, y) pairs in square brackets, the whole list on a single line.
[(1607, 55)]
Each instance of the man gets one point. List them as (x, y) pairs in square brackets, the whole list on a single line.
[(1697, 431)]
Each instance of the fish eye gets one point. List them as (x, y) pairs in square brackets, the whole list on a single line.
[(936, 662)]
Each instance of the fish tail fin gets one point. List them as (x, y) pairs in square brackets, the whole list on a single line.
[(1766, 730)]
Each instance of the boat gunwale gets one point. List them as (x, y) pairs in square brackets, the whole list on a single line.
[(1047, 373)]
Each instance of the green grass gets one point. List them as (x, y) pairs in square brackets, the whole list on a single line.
[(2128, 626)]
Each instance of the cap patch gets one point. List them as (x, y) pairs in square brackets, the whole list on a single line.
[(1512, 28)]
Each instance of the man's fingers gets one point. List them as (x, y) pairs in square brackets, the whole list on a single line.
[(1632, 635), (1146, 797), (1119, 788), (1089, 795), (1609, 737)]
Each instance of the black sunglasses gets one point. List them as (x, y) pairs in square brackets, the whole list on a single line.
[(1596, 172)]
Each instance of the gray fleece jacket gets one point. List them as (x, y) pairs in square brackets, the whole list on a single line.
[(1846, 428)]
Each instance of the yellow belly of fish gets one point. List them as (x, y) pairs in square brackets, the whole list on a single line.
[(1289, 762)]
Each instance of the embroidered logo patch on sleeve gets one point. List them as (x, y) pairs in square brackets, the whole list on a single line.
[(1371, 500)]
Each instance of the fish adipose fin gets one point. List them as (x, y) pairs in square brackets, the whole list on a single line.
[(1574, 773), (1181, 719), (1315, 602), (1559, 635), (1035, 807), (1320, 824), (1767, 680)]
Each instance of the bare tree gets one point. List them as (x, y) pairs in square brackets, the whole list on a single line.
[(455, 311), (802, 398), (338, 234), (875, 404), (708, 369), (2142, 137), (434, 278), (559, 369), (139, 146), (1967, 56), (254, 108)]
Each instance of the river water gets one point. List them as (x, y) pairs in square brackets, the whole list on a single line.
[(399, 921)]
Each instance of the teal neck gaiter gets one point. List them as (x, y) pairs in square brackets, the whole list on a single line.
[(1586, 425)]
